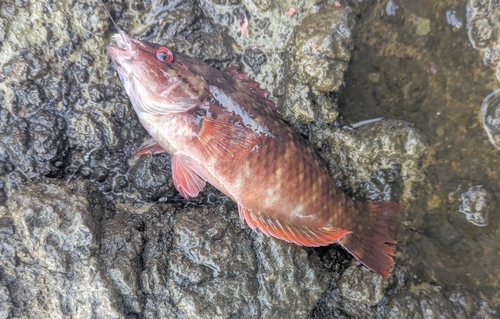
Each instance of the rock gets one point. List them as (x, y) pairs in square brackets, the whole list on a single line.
[(269, 30), (52, 129), (322, 48), (48, 261), (394, 13), (298, 106), (254, 58), (389, 147), (477, 204), (302, 284), (231, 281), (202, 263), (465, 305), (490, 115), (207, 43), (151, 176), (36, 145), (187, 262), (319, 53), (264, 4), (88, 230), (434, 305), (212, 267), (329, 306), (403, 306), (361, 286), (482, 31), (359, 293)]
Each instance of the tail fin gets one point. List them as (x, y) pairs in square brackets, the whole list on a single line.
[(374, 226)]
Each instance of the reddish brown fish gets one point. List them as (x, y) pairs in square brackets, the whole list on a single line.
[(221, 128)]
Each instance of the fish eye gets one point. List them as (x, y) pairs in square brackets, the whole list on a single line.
[(164, 55)]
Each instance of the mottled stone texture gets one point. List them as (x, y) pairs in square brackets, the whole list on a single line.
[(68, 252), (89, 231), (319, 53), (322, 47), (49, 266)]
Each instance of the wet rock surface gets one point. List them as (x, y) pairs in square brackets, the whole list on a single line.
[(321, 48), (358, 285), (67, 251), (49, 266), (88, 230), (477, 204), (375, 159), (319, 53), (490, 114), (251, 283), (483, 35)]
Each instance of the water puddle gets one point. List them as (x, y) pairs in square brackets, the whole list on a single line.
[(433, 63)]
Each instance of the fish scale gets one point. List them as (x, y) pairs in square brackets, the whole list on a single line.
[(220, 128)]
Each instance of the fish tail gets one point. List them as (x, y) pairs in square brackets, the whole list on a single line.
[(373, 228)]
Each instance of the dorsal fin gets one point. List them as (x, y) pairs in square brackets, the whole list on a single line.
[(300, 235), (253, 85)]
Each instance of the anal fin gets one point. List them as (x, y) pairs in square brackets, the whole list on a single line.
[(188, 177), (300, 235)]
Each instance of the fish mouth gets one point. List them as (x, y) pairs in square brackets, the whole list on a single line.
[(125, 49)]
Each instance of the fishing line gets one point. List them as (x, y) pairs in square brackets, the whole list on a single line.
[(113, 21)]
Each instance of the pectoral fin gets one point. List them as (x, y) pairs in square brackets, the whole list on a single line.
[(188, 177), (300, 235), (149, 147), (226, 141)]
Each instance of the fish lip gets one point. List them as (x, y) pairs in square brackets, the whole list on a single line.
[(124, 49), (115, 53), (123, 41)]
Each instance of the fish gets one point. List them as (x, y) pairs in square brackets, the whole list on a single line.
[(221, 128)]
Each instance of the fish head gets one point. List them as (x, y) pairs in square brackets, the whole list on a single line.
[(156, 78)]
